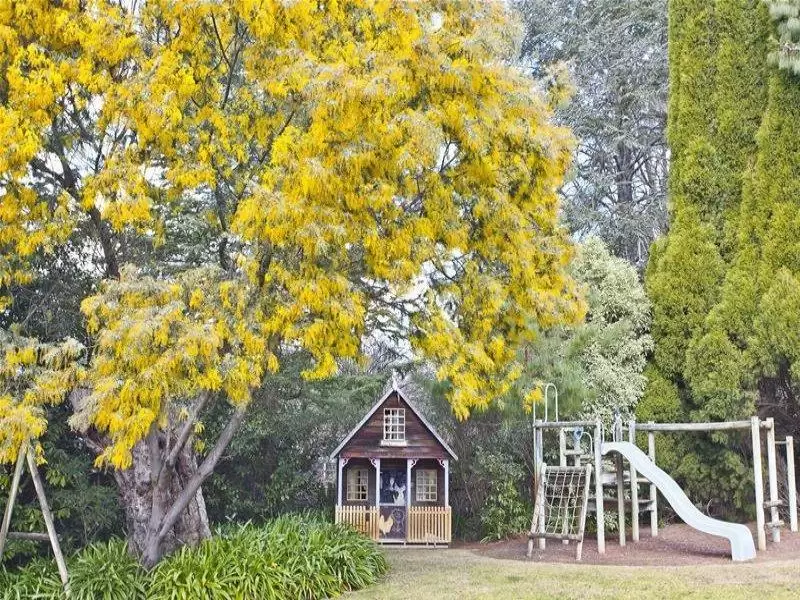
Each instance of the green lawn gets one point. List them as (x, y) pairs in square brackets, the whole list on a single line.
[(463, 575)]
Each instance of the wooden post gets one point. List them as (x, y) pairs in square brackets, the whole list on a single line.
[(758, 477), (651, 451), (377, 463), (339, 482), (542, 525), (11, 498), (446, 481), (562, 461), (538, 505), (772, 473), (791, 483), (582, 522), (634, 486), (538, 467), (618, 465), (48, 519), (408, 492), (598, 488)]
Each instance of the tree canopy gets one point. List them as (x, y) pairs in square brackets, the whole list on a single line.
[(243, 180)]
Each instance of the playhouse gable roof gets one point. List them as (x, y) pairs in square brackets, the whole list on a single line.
[(394, 390)]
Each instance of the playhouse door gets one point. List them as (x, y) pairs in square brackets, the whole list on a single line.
[(392, 509)]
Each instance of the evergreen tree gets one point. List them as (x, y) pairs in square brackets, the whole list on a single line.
[(703, 277)]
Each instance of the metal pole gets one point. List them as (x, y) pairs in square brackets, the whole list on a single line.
[(758, 477)]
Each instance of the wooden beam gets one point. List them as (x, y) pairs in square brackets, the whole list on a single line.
[(32, 536), (634, 486), (791, 483), (11, 499), (48, 520), (772, 474), (538, 424), (447, 482), (755, 434), (718, 426), (340, 462), (651, 451), (598, 488), (377, 463)]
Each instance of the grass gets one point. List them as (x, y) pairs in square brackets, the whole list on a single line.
[(464, 575)]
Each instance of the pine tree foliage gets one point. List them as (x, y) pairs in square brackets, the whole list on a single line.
[(616, 56)]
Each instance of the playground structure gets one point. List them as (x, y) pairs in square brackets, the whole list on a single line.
[(606, 460)]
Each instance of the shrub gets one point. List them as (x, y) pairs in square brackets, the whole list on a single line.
[(38, 580), (505, 512), (107, 571), (293, 557), (290, 557)]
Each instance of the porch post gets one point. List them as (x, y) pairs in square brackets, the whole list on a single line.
[(340, 462), (446, 464), (377, 463), (409, 464)]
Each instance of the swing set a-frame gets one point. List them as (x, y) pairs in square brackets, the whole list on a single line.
[(26, 456)]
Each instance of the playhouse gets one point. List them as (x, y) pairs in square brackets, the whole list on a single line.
[(393, 475)]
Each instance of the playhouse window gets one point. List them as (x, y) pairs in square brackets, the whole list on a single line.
[(357, 483), (394, 424), (426, 485)]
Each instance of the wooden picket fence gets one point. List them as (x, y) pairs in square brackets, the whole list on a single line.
[(426, 524), (429, 525), (362, 518)]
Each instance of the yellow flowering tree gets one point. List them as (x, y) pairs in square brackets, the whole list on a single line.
[(249, 178)]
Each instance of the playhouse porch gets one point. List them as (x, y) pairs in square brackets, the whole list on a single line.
[(403, 501)]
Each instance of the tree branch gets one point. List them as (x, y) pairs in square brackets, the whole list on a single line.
[(203, 471)]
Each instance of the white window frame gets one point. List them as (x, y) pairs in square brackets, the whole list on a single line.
[(427, 485), (358, 484), (394, 426)]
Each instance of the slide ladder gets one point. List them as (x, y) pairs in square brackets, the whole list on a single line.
[(739, 536)]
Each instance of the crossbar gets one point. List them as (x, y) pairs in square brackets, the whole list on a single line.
[(28, 536), (561, 424), (572, 537), (717, 426)]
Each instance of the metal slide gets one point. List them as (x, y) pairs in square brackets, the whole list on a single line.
[(742, 547)]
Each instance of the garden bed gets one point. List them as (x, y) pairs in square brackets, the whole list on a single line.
[(286, 559)]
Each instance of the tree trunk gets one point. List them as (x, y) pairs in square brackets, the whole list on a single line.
[(136, 494), (161, 492)]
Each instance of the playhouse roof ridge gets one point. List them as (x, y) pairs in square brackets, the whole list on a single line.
[(395, 387)]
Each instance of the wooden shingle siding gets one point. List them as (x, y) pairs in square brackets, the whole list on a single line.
[(420, 442)]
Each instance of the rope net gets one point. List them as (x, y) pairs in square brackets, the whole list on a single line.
[(561, 504)]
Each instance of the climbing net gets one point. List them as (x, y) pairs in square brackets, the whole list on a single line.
[(561, 502)]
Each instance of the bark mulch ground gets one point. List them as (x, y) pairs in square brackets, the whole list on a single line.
[(676, 544)]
